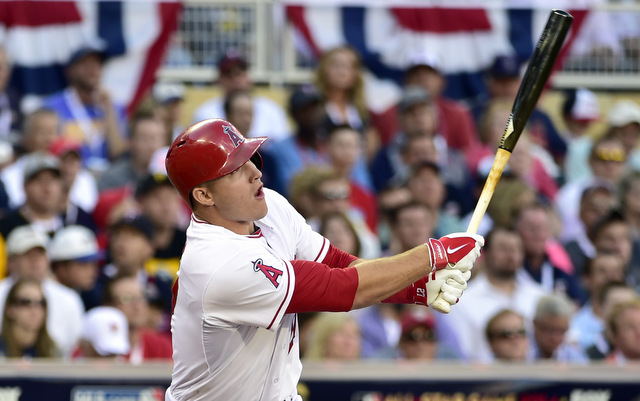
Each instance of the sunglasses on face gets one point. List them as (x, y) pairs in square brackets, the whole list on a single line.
[(610, 155), (130, 299), (509, 334), (335, 195), (32, 303), (420, 335)]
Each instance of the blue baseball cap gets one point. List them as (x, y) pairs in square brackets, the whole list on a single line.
[(506, 66)]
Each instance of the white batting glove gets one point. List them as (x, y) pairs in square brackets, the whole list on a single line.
[(451, 282)]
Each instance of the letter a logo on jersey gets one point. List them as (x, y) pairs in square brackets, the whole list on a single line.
[(233, 135), (270, 272)]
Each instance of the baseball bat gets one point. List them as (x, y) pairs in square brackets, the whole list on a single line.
[(533, 81)]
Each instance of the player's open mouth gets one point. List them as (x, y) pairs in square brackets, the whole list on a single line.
[(259, 193)]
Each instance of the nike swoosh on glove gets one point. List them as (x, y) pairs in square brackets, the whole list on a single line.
[(457, 250)]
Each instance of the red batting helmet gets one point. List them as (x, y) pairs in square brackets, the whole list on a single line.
[(207, 150)]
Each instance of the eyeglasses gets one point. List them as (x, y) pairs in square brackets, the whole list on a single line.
[(130, 299), (420, 335), (611, 155), (32, 303), (509, 334), (334, 195)]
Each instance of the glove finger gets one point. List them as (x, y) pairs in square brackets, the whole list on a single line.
[(453, 290), (466, 275), (456, 276), (450, 298)]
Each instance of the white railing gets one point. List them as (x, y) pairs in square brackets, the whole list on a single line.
[(259, 30)]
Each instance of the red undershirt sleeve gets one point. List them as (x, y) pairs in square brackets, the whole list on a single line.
[(336, 258), (319, 288)]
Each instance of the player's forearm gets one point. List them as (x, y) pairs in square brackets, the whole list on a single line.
[(379, 279)]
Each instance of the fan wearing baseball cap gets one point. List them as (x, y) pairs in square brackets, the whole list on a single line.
[(269, 118), (105, 334), (27, 249)]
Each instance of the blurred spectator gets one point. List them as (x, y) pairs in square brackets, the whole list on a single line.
[(630, 204), (10, 116), (28, 260), (330, 192), (344, 146), (78, 184), (39, 131), (340, 79), (607, 161), (170, 98), (74, 261), (268, 117), (130, 249), (238, 109), (503, 81), (597, 200), (588, 323), (502, 283), (612, 234), (624, 125), (306, 147), (502, 211), (455, 123), (426, 186), (507, 336), (611, 294), (44, 207), (580, 110), (24, 330), (419, 340), (105, 334), (411, 224), (623, 327), (417, 117), (550, 327), (160, 203), (544, 259), (334, 336), (388, 199), (126, 294), (86, 111), (338, 229), (147, 134)]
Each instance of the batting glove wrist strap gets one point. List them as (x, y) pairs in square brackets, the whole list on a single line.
[(437, 254)]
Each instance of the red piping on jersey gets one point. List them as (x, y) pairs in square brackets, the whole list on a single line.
[(256, 234), (285, 297), (324, 244)]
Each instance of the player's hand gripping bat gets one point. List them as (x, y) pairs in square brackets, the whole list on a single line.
[(533, 82)]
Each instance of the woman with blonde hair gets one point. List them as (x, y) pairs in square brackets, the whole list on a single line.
[(334, 336), (24, 330)]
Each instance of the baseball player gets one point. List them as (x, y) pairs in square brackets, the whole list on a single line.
[(251, 263)]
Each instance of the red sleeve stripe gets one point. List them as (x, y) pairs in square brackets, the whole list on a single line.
[(285, 297), (337, 258), (322, 252)]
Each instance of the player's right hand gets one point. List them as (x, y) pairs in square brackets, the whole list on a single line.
[(457, 250), (450, 282)]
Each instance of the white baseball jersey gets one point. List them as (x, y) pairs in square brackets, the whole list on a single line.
[(232, 339)]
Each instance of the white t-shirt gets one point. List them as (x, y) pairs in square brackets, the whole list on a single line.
[(231, 336), (269, 119), (65, 312)]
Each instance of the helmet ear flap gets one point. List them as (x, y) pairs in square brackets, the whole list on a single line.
[(257, 160)]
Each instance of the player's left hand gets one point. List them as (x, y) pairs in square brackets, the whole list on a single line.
[(461, 249)]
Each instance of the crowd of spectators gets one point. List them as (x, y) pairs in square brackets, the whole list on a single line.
[(91, 229)]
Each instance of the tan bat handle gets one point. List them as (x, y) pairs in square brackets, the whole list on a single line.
[(499, 163)]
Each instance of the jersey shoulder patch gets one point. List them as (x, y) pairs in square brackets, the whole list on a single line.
[(271, 273)]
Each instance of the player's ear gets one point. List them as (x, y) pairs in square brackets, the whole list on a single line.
[(203, 195)]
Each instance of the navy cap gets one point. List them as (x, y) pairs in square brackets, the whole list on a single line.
[(141, 224), (151, 182), (85, 51), (230, 60), (303, 96), (507, 66)]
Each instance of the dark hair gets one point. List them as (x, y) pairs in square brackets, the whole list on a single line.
[(608, 287), (394, 213), (232, 97), (138, 118), (613, 217), (44, 345), (488, 238), (588, 267)]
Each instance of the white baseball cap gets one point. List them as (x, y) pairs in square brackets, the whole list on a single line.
[(583, 105), (106, 328), (73, 243), (624, 112), (24, 238), (424, 58)]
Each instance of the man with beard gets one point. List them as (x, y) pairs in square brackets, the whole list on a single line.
[(501, 284)]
